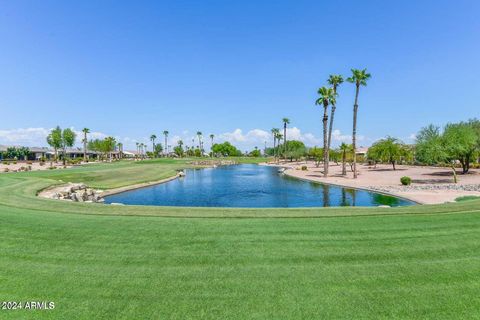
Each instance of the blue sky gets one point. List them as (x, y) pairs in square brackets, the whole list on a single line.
[(233, 68)]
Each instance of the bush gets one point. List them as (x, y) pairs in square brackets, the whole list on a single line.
[(42, 163), (29, 162), (406, 181), (467, 198), (6, 170), (304, 168), (14, 162)]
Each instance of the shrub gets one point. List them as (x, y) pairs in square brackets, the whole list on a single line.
[(14, 162), (406, 181), (467, 198), (6, 170), (42, 163), (304, 168), (29, 162), (5, 163)]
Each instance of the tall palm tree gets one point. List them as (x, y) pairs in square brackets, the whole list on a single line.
[(344, 148), (165, 149), (152, 138), (85, 131), (334, 80), (359, 78), (285, 122), (326, 97), (279, 137), (138, 149), (120, 150), (274, 132), (212, 136), (200, 145)]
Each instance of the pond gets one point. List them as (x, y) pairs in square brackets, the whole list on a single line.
[(249, 186)]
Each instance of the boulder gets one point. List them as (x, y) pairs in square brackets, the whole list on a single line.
[(73, 197)]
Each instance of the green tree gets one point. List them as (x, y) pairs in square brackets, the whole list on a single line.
[(279, 138), (54, 139), (85, 141), (461, 143), (255, 153), (327, 96), (200, 144), (389, 150), (178, 149), (345, 150), (105, 146), (274, 132), (152, 138), (16, 153), (211, 143), (158, 149), (316, 154), (68, 140), (295, 150), (120, 150), (226, 149), (359, 78)]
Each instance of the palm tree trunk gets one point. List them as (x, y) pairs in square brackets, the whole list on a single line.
[(354, 133), (325, 141), (330, 130), (285, 140), (274, 146), (85, 147), (344, 163)]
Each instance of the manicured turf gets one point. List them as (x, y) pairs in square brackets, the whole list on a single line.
[(99, 261)]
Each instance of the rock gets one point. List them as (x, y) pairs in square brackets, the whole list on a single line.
[(73, 197), (384, 206), (117, 204), (181, 174)]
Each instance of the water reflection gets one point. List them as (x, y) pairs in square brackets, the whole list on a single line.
[(249, 186)]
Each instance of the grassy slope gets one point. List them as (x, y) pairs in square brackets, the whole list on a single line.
[(101, 266)]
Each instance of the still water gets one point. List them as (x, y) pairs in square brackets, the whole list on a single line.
[(249, 186)]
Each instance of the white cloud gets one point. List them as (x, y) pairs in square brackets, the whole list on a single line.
[(24, 136), (36, 137)]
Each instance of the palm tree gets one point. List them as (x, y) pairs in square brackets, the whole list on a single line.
[(152, 138), (279, 137), (326, 97), (211, 140), (165, 133), (199, 135), (359, 78), (334, 80), (344, 148), (274, 132), (85, 131), (138, 149), (120, 150), (285, 122)]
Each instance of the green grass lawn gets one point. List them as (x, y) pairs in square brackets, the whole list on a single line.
[(99, 261)]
